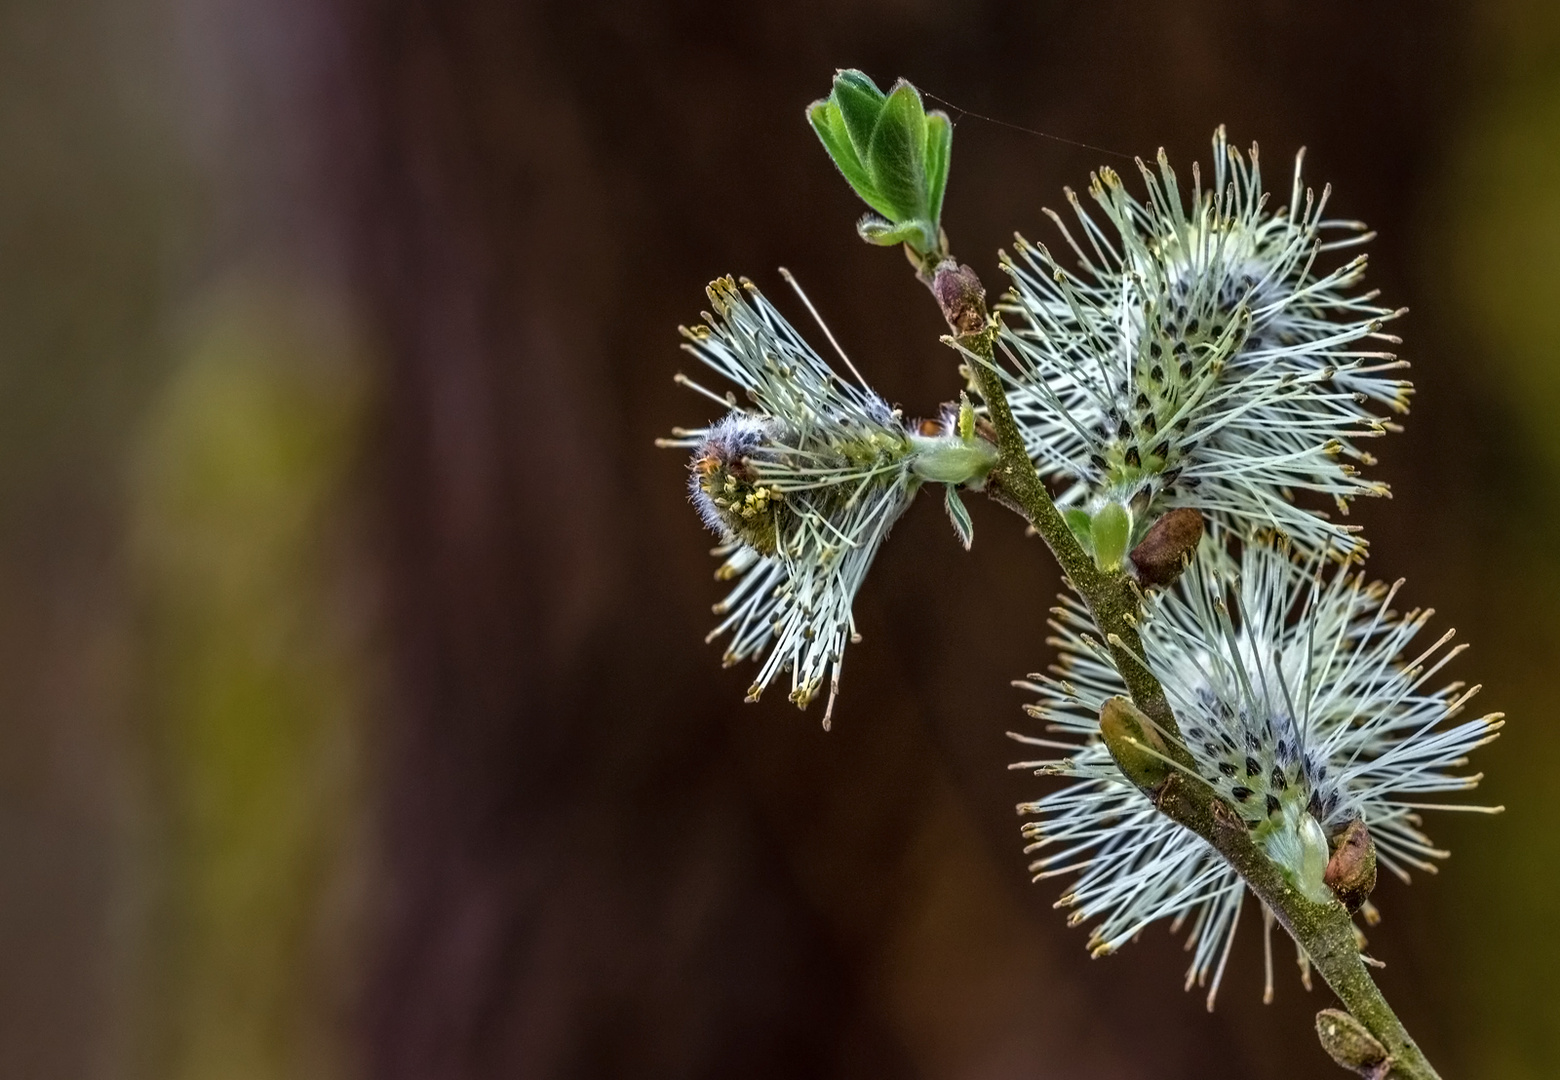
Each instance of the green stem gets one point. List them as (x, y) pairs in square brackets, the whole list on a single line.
[(1325, 931), (1113, 598)]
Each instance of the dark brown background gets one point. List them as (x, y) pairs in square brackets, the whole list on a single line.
[(356, 717)]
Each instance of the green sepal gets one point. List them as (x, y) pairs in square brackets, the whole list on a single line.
[(1310, 876), (959, 515), (1110, 531)]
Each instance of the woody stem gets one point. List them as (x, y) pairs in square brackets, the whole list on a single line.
[(1324, 930)]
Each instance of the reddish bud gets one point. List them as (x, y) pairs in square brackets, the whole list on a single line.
[(1351, 872), (961, 296), (1172, 540)]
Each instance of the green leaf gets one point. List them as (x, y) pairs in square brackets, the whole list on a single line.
[(959, 516), (874, 230), (939, 149), (861, 104), (893, 154), (896, 155), (966, 417), (827, 121)]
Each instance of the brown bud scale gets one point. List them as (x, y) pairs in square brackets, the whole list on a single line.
[(961, 296), (1350, 1045), (1351, 872), (1163, 553)]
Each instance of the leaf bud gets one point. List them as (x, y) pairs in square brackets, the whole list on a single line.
[(961, 296), (1109, 532), (892, 152), (1350, 1045), (1135, 744)]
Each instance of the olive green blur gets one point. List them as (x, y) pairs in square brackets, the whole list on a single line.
[(355, 717)]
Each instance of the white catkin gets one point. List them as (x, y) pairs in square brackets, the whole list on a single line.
[(1302, 704), (1196, 354)]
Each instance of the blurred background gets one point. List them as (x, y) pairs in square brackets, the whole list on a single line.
[(355, 719)]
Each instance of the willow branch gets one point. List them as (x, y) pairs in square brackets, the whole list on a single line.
[(1324, 930)]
